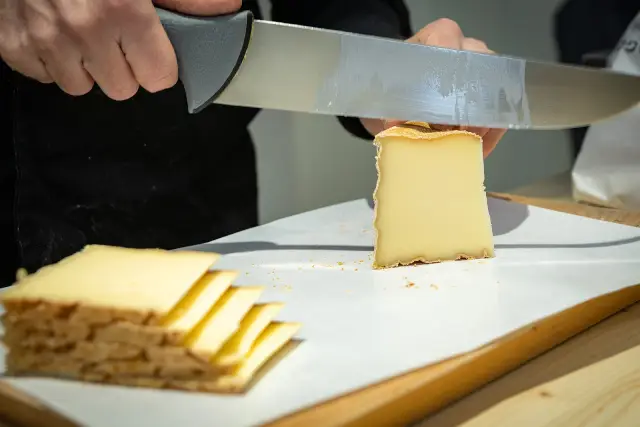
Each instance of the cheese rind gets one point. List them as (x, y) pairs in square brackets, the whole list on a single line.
[(143, 374), (430, 201)]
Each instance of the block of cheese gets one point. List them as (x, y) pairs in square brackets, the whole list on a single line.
[(430, 200), (208, 336)]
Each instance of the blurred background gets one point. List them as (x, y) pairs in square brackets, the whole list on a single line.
[(320, 164)]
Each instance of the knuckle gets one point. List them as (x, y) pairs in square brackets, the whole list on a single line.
[(449, 25), (44, 34), (120, 5), (80, 21), (11, 47)]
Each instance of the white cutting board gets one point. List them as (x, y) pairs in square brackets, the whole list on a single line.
[(362, 326)]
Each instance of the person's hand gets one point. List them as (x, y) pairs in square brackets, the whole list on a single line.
[(445, 33), (118, 44)]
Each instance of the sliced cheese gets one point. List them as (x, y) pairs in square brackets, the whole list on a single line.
[(151, 280), (222, 321), (430, 200), (202, 297), (253, 324), (272, 339)]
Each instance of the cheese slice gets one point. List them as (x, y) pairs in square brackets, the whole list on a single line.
[(270, 341), (222, 321), (173, 328), (142, 280), (199, 300), (430, 200), (253, 324)]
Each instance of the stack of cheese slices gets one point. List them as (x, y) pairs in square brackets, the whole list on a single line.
[(141, 317)]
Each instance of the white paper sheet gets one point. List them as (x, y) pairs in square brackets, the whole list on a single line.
[(607, 170), (362, 326)]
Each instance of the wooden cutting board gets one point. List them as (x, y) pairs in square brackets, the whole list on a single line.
[(414, 396)]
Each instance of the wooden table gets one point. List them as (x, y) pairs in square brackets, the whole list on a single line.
[(593, 377)]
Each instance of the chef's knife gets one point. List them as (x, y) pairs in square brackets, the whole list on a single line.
[(238, 60)]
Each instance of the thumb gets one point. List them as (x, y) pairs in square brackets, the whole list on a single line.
[(386, 124)]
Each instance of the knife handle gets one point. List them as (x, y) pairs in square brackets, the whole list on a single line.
[(209, 50)]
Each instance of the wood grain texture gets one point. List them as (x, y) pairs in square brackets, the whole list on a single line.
[(605, 214), (604, 394), (18, 409), (603, 341)]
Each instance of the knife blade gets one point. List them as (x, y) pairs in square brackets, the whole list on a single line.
[(239, 61)]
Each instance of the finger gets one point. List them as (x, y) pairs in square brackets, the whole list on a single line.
[(95, 32), (63, 62), (443, 127), (58, 52), (475, 45), (443, 33), (491, 140), (110, 70), (148, 50), (386, 124), (26, 62), (202, 7), (15, 47)]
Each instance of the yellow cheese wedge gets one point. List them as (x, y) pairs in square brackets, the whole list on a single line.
[(223, 320), (430, 200), (151, 280), (253, 324), (199, 300)]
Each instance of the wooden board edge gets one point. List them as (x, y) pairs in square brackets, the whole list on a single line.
[(418, 394), (19, 409), (601, 393), (620, 216)]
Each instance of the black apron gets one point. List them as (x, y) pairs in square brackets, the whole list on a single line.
[(138, 173)]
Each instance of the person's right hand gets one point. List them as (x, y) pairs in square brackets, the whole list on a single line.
[(118, 44)]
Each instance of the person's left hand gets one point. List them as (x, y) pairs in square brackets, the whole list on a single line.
[(445, 33)]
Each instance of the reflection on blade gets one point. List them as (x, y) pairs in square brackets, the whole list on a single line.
[(303, 69)]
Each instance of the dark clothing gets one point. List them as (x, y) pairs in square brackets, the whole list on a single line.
[(143, 172), (586, 32)]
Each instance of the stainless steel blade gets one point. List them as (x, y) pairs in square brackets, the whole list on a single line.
[(294, 68)]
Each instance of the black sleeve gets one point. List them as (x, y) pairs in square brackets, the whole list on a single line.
[(384, 18)]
